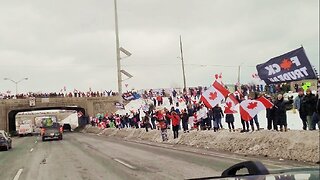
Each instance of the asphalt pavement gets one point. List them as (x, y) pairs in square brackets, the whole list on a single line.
[(85, 156)]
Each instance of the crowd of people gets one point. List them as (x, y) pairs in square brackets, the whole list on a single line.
[(196, 116), (75, 93)]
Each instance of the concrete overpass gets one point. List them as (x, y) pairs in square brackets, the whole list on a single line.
[(89, 106)]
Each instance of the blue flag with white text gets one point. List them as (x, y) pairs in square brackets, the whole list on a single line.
[(292, 66)]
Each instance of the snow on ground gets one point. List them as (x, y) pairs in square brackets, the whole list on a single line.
[(293, 119), (292, 145)]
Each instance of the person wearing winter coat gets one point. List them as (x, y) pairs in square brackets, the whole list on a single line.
[(146, 122), (230, 121), (218, 115), (185, 119), (175, 119), (281, 112), (202, 115), (162, 125), (297, 105), (308, 106), (270, 117)]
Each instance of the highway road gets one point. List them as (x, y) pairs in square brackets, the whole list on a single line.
[(85, 156)]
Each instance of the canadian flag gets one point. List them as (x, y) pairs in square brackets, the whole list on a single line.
[(214, 95), (250, 108), (237, 93), (80, 114), (231, 103)]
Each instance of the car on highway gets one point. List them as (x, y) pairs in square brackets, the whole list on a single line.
[(52, 131), (5, 140), (67, 127)]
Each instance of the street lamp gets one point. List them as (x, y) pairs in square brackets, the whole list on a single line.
[(16, 82), (118, 50)]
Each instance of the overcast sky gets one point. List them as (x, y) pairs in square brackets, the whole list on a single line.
[(72, 43)]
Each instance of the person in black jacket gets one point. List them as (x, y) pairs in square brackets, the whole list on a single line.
[(280, 111), (185, 118), (218, 115), (270, 117), (308, 106)]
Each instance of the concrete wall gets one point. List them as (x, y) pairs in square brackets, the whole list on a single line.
[(92, 105)]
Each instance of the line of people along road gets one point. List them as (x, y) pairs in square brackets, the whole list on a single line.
[(195, 116)]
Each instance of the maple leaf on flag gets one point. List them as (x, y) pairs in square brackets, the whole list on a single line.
[(213, 96), (228, 106), (252, 105), (286, 64)]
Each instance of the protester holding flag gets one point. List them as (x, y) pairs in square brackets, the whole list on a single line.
[(162, 125), (271, 117), (230, 121), (230, 108), (280, 111)]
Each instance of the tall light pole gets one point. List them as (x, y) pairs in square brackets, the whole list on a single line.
[(16, 82), (182, 64), (118, 50)]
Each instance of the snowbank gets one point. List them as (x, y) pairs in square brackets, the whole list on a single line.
[(291, 145)]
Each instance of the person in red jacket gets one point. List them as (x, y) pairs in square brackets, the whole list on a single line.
[(175, 119), (163, 125)]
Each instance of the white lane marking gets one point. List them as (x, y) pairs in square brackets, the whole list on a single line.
[(18, 174), (125, 164), (31, 149)]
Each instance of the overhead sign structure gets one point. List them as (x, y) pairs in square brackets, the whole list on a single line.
[(292, 66), (32, 101), (119, 105)]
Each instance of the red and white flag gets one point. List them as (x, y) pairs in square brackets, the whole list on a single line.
[(237, 93), (214, 95), (250, 108), (231, 103), (80, 114)]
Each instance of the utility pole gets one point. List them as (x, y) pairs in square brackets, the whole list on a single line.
[(118, 51), (182, 63)]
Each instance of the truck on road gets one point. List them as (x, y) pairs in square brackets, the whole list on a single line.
[(24, 127), (51, 129)]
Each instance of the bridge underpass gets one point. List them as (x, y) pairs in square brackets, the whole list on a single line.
[(12, 114), (89, 106)]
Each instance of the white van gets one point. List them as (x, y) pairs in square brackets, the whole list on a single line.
[(25, 129)]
